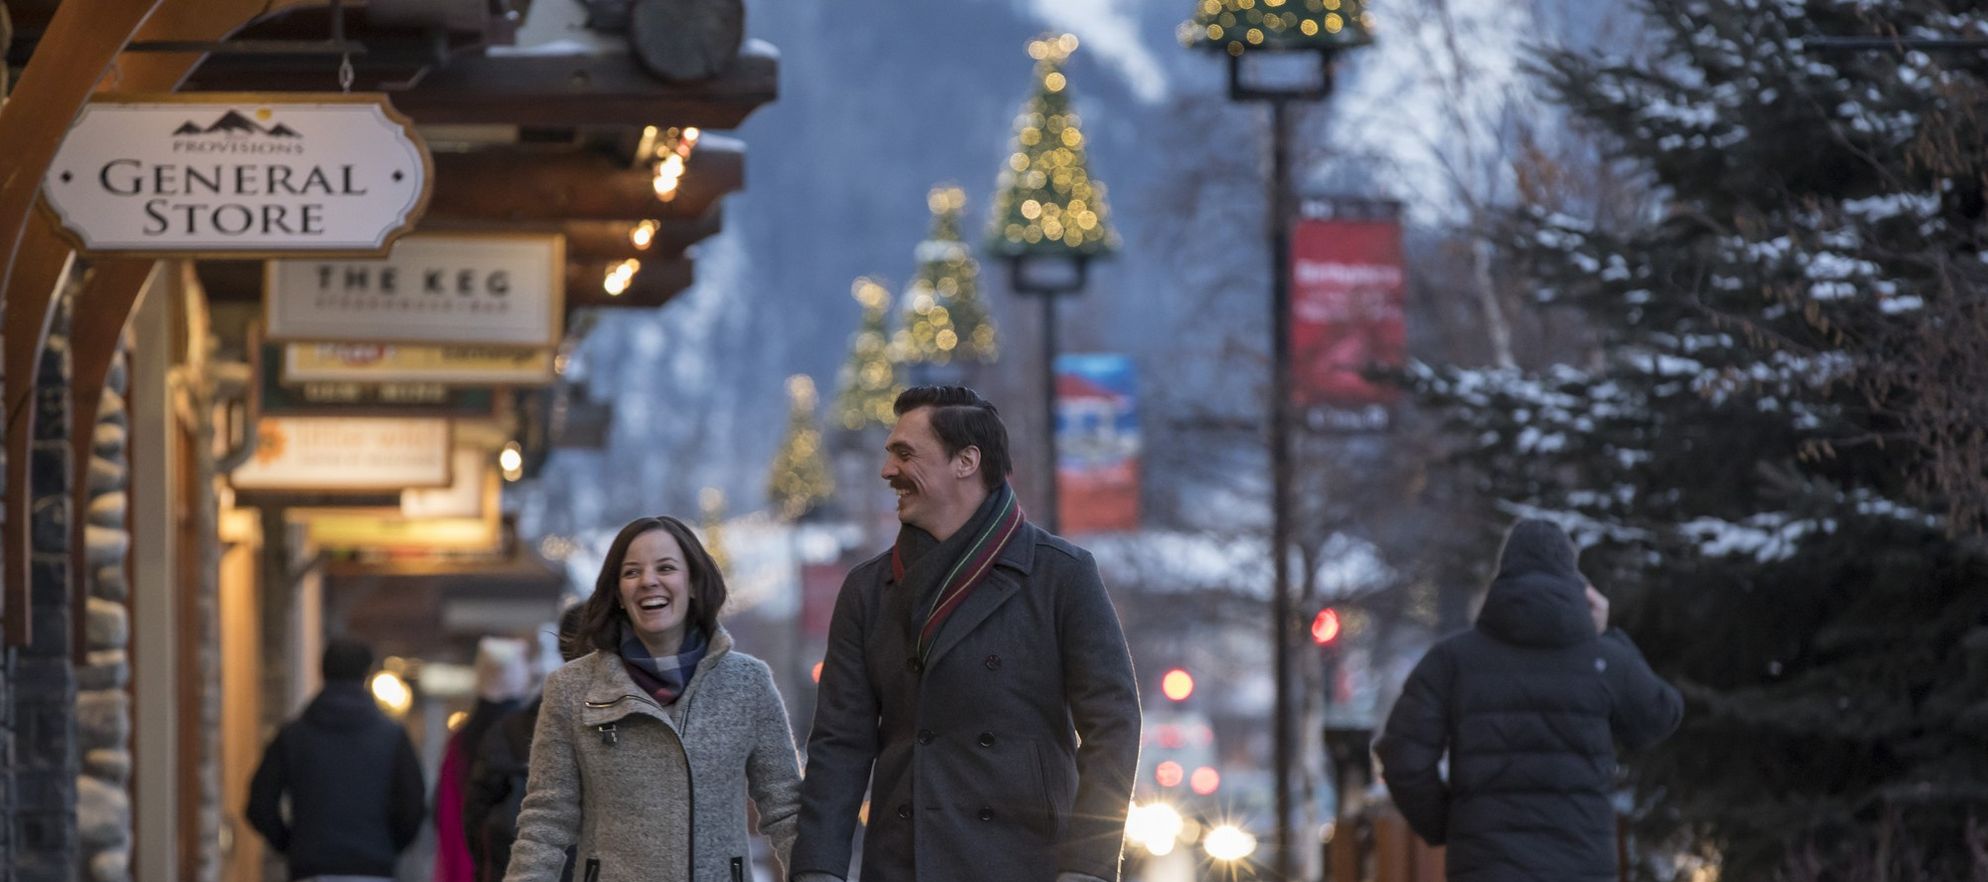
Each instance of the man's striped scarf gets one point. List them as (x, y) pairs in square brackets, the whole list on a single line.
[(943, 575)]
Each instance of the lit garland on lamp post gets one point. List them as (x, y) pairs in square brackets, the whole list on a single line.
[(868, 384), (944, 316), (800, 478), (711, 501), (1257, 36), (1050, 218)]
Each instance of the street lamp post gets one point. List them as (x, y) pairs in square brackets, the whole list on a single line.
[(1048, 277), (1050, 219), (1280, 53)]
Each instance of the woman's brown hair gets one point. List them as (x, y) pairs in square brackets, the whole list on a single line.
[(601, 621)]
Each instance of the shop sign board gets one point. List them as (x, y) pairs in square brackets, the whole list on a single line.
[(345, 398), (346, 454), (1348, 286), (471, 365), (482, 289), (464, 516), (243, 175)]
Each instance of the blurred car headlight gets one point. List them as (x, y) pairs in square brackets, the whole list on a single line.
[(1229, 843), (1155, 826)]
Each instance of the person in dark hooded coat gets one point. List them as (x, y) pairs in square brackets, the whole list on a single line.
[(1529, 705), (350, 775)]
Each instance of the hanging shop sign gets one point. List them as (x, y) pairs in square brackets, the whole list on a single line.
[(446, 365), (346, 398), (485, 289), (242, 175), (465, 516), (346, 455)]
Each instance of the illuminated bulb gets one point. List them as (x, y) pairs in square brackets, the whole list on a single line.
[(642, 234), (619, 276), (1229, 843), (392, 693), (512, 461)]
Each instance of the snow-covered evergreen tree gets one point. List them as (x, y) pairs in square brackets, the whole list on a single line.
[(1742, 451)]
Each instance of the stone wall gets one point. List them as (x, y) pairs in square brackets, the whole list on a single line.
[(44, 680), (103, 707)]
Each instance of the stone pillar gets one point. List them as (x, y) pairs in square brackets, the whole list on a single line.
[(44, 683), (103, 709)]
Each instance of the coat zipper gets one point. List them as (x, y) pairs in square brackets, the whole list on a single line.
[(689, 771)]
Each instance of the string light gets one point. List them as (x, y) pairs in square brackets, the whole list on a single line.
[(642, 234), (620, 276), (943, 313), (800, 478), (671, 149), (1046, 199), (1236, 26), (868, 384)]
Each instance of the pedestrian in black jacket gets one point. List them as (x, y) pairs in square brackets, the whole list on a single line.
[(1529, 705), (351, 775), (496, 788)]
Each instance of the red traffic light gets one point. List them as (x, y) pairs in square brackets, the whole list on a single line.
[(1325, 628), (1177, 684)]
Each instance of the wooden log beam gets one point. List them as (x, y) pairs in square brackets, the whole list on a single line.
[(515, 185), (656, 284), (545, 91), (599, 240)]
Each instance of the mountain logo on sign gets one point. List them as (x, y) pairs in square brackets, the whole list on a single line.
[(234, 124)]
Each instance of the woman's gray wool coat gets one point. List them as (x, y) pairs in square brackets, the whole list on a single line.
[(655, 795)]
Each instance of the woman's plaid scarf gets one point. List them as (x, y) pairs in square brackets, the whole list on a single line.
[(943, 574), (663, 678)]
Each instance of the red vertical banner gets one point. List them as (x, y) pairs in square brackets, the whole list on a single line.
[(820, 583), (1097, 444), (1347, 291)]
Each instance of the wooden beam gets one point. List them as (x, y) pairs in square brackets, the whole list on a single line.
[(81, 40), (514, 185), (546, 91), (111, 290), (599, 240), (656, 284)]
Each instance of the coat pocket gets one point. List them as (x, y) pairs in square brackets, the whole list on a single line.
[(1042, 784)]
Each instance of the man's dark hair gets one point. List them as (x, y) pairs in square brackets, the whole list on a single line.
[(347, 660), (962, 419), (600, 623)]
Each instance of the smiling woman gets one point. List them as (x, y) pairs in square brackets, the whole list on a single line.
[(663, 799)]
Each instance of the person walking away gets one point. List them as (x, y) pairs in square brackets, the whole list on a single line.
[(496, 785), (647, 747), (977, 682), (1529, 705), (350, 775), (502, 679)]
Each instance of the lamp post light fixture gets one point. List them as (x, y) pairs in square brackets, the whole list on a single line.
[(1280, 52), (1050, 219)]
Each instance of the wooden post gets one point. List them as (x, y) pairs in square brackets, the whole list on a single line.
[(73, 58), (94, 333)]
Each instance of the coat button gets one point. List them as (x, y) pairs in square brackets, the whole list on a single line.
[(925, 736), (986, 739), (986, 814), (914, 665), (904, 811), (993, 662)]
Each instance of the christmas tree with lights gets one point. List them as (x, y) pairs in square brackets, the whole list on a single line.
[(944, 316), (712, 502), (869, 384), (800, 478), (1045, 200)]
